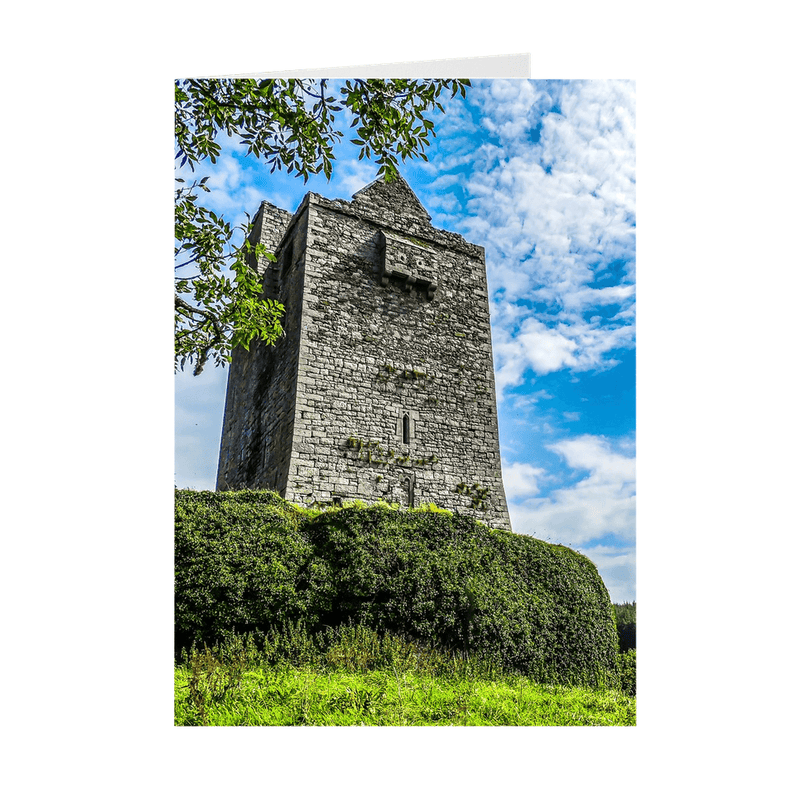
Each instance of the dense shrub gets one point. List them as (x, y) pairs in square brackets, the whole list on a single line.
[(626, 665), (241, 564), (249, 561)]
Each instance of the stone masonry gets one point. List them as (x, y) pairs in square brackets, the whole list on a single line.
[(382, 386)]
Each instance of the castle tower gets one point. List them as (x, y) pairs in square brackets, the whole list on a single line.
[(383, 385)]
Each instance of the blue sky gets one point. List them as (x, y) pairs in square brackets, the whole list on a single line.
[(542, 174)]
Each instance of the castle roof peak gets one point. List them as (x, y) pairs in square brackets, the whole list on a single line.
[(396, 194)]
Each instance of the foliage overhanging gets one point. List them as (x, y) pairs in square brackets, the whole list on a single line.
[(291, 124)]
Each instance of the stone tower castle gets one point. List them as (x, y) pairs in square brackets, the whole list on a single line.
[(383, 385)]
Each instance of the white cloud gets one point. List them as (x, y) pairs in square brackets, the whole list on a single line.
[(226, 177), (553, 214), (577, 345), (442, 182), (354, 175), (446, 202), (233, 190), (617, 566), (535, 346), (600, 504), (520, 480)]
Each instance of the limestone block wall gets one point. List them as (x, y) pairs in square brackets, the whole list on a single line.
[(258, 424), (384, 384), (269, 226)]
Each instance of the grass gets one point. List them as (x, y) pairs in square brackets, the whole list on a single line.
[(306, 697), (355, 677)]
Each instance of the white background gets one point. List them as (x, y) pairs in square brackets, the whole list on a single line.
[(88, 501)]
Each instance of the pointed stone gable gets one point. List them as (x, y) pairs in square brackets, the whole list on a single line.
[(393, 202)]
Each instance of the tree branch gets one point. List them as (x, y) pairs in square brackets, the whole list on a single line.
[(219, 337), (209, 315)]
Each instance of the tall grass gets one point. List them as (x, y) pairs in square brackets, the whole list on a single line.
[(354, 676)]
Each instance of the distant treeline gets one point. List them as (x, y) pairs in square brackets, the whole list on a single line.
[(626, 625)]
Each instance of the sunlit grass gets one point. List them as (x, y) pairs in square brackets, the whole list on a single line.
[(343, 685), (303, 697)]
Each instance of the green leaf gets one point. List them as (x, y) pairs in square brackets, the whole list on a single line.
[(270, 119)]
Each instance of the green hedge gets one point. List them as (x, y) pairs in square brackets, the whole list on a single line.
[(250, 561), (239, 564), (626, 668)]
